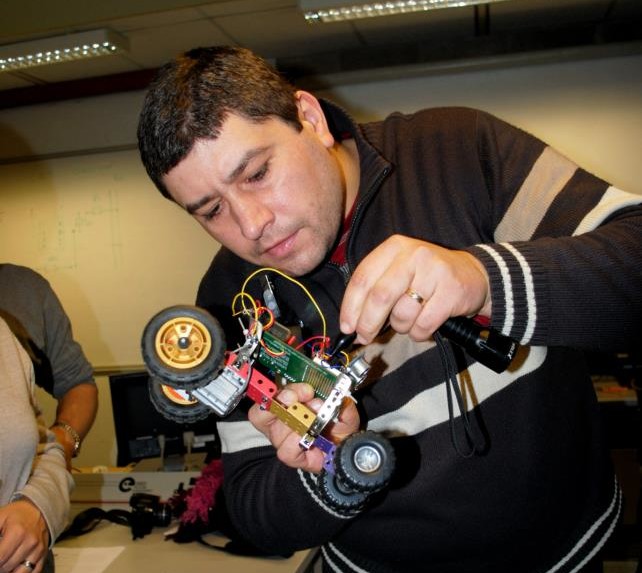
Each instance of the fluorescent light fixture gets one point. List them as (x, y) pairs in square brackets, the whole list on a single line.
[(336, 10), (58, 49)]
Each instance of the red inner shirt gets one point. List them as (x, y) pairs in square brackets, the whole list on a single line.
[(338, 256)]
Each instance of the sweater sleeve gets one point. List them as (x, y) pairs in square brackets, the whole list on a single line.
[(49, 485), (275, 507), (565, 266)]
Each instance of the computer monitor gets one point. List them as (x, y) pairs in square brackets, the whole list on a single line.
[(139, 426)]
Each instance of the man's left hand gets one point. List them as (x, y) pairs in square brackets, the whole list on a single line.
[(414, 286)]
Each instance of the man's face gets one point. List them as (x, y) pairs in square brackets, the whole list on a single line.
[(272, 195)]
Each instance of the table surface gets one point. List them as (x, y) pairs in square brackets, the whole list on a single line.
[(154, 553), (609, 390)]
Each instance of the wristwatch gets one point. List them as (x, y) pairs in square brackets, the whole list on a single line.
[(74, 436)]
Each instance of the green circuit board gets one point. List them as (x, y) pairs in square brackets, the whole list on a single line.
[(294, 366)]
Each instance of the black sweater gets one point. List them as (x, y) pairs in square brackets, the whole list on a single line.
[(563, 252)]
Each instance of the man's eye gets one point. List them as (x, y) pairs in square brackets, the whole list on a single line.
[(215, 210), (260, 174)]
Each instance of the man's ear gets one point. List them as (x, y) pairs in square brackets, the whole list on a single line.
[(310, 112)]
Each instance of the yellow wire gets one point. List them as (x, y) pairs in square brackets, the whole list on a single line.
[(254, 306), (278, 272)]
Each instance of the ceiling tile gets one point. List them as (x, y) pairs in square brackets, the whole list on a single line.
[(232, 7), (417, 27), (155, 20), (10, 81), (285, 32), (544, 13), (152, 47)]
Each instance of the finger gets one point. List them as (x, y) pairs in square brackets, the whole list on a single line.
[(269, 424), (288, 445), (20, 565), (290, 394), (354, 298), (386, 295), (29, 565), (315, 404), (296, 392), (11, 548), (434, 313), (260, 418), (362, 281), (407, 311), (380, 301), (292, 455), (426, 323), (348, 422), (299, 396), (290, 451)]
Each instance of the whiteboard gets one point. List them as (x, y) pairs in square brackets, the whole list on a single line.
[(114, 250)]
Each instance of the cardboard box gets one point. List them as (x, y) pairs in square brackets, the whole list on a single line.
[(113, 490)]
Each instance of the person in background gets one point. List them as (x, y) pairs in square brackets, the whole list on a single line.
[(35, 484), (393, 227), (33, 311)]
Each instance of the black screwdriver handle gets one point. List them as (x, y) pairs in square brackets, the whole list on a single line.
[(484, 344)]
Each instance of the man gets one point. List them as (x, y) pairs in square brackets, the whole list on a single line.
[(33, 311), (394, 227)]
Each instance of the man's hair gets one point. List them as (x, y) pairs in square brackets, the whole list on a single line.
[(191, 97)]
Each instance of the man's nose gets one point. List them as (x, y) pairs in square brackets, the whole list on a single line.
[(252, 217)]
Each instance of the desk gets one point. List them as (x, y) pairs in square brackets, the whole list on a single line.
[(154, 553), (622, 419)]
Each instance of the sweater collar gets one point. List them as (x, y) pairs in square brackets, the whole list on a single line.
[(374, 167)]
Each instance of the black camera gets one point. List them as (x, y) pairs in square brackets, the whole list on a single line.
[(148, 512)]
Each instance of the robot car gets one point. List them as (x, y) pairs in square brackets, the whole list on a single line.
[(192, 374)]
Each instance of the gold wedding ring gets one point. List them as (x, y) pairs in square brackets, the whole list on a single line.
[(414, 295)]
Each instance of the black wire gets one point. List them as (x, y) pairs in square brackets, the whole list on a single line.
[(87, 521), (452, 386)]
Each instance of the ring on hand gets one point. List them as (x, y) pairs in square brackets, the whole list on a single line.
[(29, 565), (414, 295)]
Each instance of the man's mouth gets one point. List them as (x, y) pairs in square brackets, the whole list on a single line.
[(282, 248)]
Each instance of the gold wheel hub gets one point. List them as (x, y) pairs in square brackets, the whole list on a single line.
[(177, 396), (183, 343)]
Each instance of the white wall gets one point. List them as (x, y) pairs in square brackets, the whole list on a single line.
[(590, 110)]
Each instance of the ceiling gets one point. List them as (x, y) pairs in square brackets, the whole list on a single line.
[(449, 38)]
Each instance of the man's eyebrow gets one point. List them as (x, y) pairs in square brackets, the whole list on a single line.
[(249, 155), (191, 208)]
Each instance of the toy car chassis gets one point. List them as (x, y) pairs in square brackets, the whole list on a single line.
[(191, 375)]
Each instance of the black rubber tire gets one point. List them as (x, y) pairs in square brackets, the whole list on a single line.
[(364, 462), (184, 346), (338, 497), (183, 411)]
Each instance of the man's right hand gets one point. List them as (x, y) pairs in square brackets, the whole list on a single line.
[(286, 441)]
